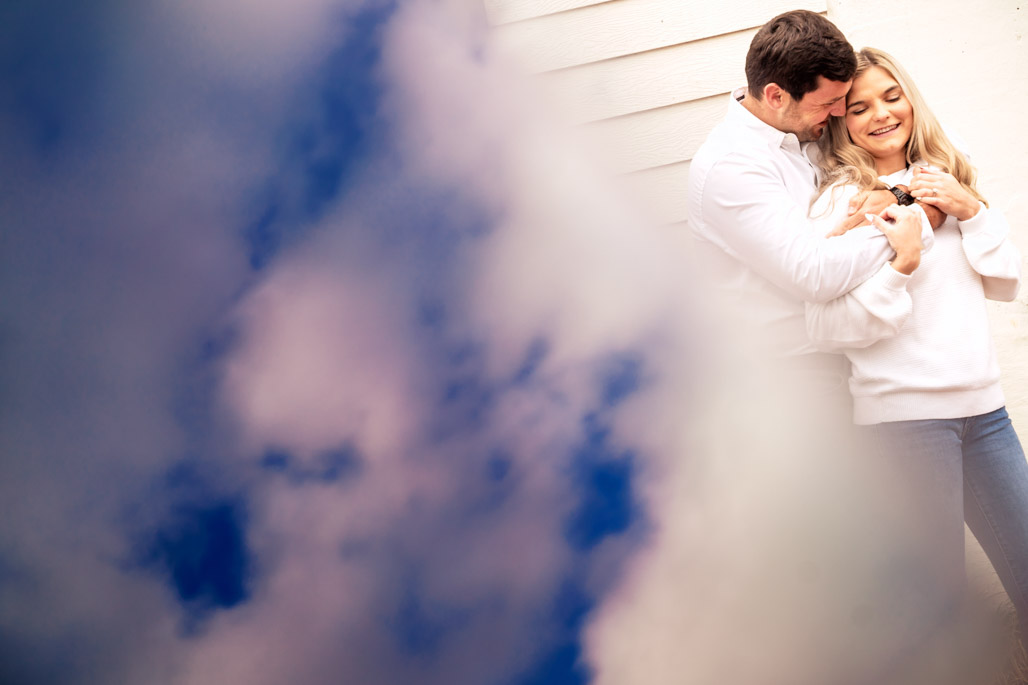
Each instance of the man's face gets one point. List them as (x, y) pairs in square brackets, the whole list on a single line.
[(808, 117)]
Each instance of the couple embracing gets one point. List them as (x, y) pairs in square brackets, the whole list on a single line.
[(832, 208)]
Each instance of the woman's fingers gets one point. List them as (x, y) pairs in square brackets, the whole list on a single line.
[(897, 213), (930, 178), (943, 191), (930, 185), (902, 227)]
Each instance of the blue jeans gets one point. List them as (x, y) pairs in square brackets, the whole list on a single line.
[(953, 470)]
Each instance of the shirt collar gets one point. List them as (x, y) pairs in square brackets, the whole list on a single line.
[(742, 116)]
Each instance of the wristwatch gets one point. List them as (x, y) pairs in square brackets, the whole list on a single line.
[(902, 197)]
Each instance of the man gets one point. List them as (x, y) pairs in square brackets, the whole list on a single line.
[(751, 183)]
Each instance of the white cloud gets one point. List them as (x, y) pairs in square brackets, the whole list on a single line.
[(330, 353), (326, 359)]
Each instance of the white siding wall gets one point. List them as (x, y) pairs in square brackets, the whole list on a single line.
[(647, 78)]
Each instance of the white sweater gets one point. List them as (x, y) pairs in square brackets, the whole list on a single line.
[(919, 345)]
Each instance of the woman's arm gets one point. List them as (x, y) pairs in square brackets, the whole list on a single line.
[(874, 310), (987, 245), (985, 232), (877, 308)]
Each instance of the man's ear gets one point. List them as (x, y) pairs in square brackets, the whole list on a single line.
[(775, 97)]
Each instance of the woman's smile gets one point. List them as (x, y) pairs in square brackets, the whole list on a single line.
[(886, 130)]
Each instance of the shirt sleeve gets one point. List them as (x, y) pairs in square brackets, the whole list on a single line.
[(987, 245), (762, 226)]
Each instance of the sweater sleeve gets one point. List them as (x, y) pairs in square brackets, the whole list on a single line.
[(874, 310), (987, 245)]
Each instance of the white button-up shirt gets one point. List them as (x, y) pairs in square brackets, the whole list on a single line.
[(750, 187)]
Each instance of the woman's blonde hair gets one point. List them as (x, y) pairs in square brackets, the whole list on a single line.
[(842, 160)]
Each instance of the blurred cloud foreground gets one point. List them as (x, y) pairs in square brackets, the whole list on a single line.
[(317, 341), (329, 357)]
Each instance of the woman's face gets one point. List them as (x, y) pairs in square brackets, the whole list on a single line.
[(879, 118)]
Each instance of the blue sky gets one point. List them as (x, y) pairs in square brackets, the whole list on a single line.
[(303, 380)]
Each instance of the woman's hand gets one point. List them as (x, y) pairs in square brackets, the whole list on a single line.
[(902, 226), (939, 189)]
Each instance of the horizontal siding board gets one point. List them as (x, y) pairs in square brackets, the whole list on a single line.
[(660, 192), (647, 78), (658, 136), (506, 11), (626, 27), (650, 79)]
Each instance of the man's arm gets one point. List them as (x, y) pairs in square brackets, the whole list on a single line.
[(874, 202), (754, 217)]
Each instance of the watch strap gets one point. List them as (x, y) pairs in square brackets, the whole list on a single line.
[(902, 197)]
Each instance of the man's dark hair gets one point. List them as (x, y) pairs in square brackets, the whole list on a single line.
[(793, 49)]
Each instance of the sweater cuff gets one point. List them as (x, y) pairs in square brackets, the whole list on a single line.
[(889, 278), (927, 232), (976, 224)]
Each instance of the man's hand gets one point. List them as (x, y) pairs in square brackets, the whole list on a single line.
[(902, 226), (864, 203), (936, 216), (873, 202)]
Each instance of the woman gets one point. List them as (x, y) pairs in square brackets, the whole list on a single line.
[(924, 379)]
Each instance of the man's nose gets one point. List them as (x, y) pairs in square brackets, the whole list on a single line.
[(838, 109)]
